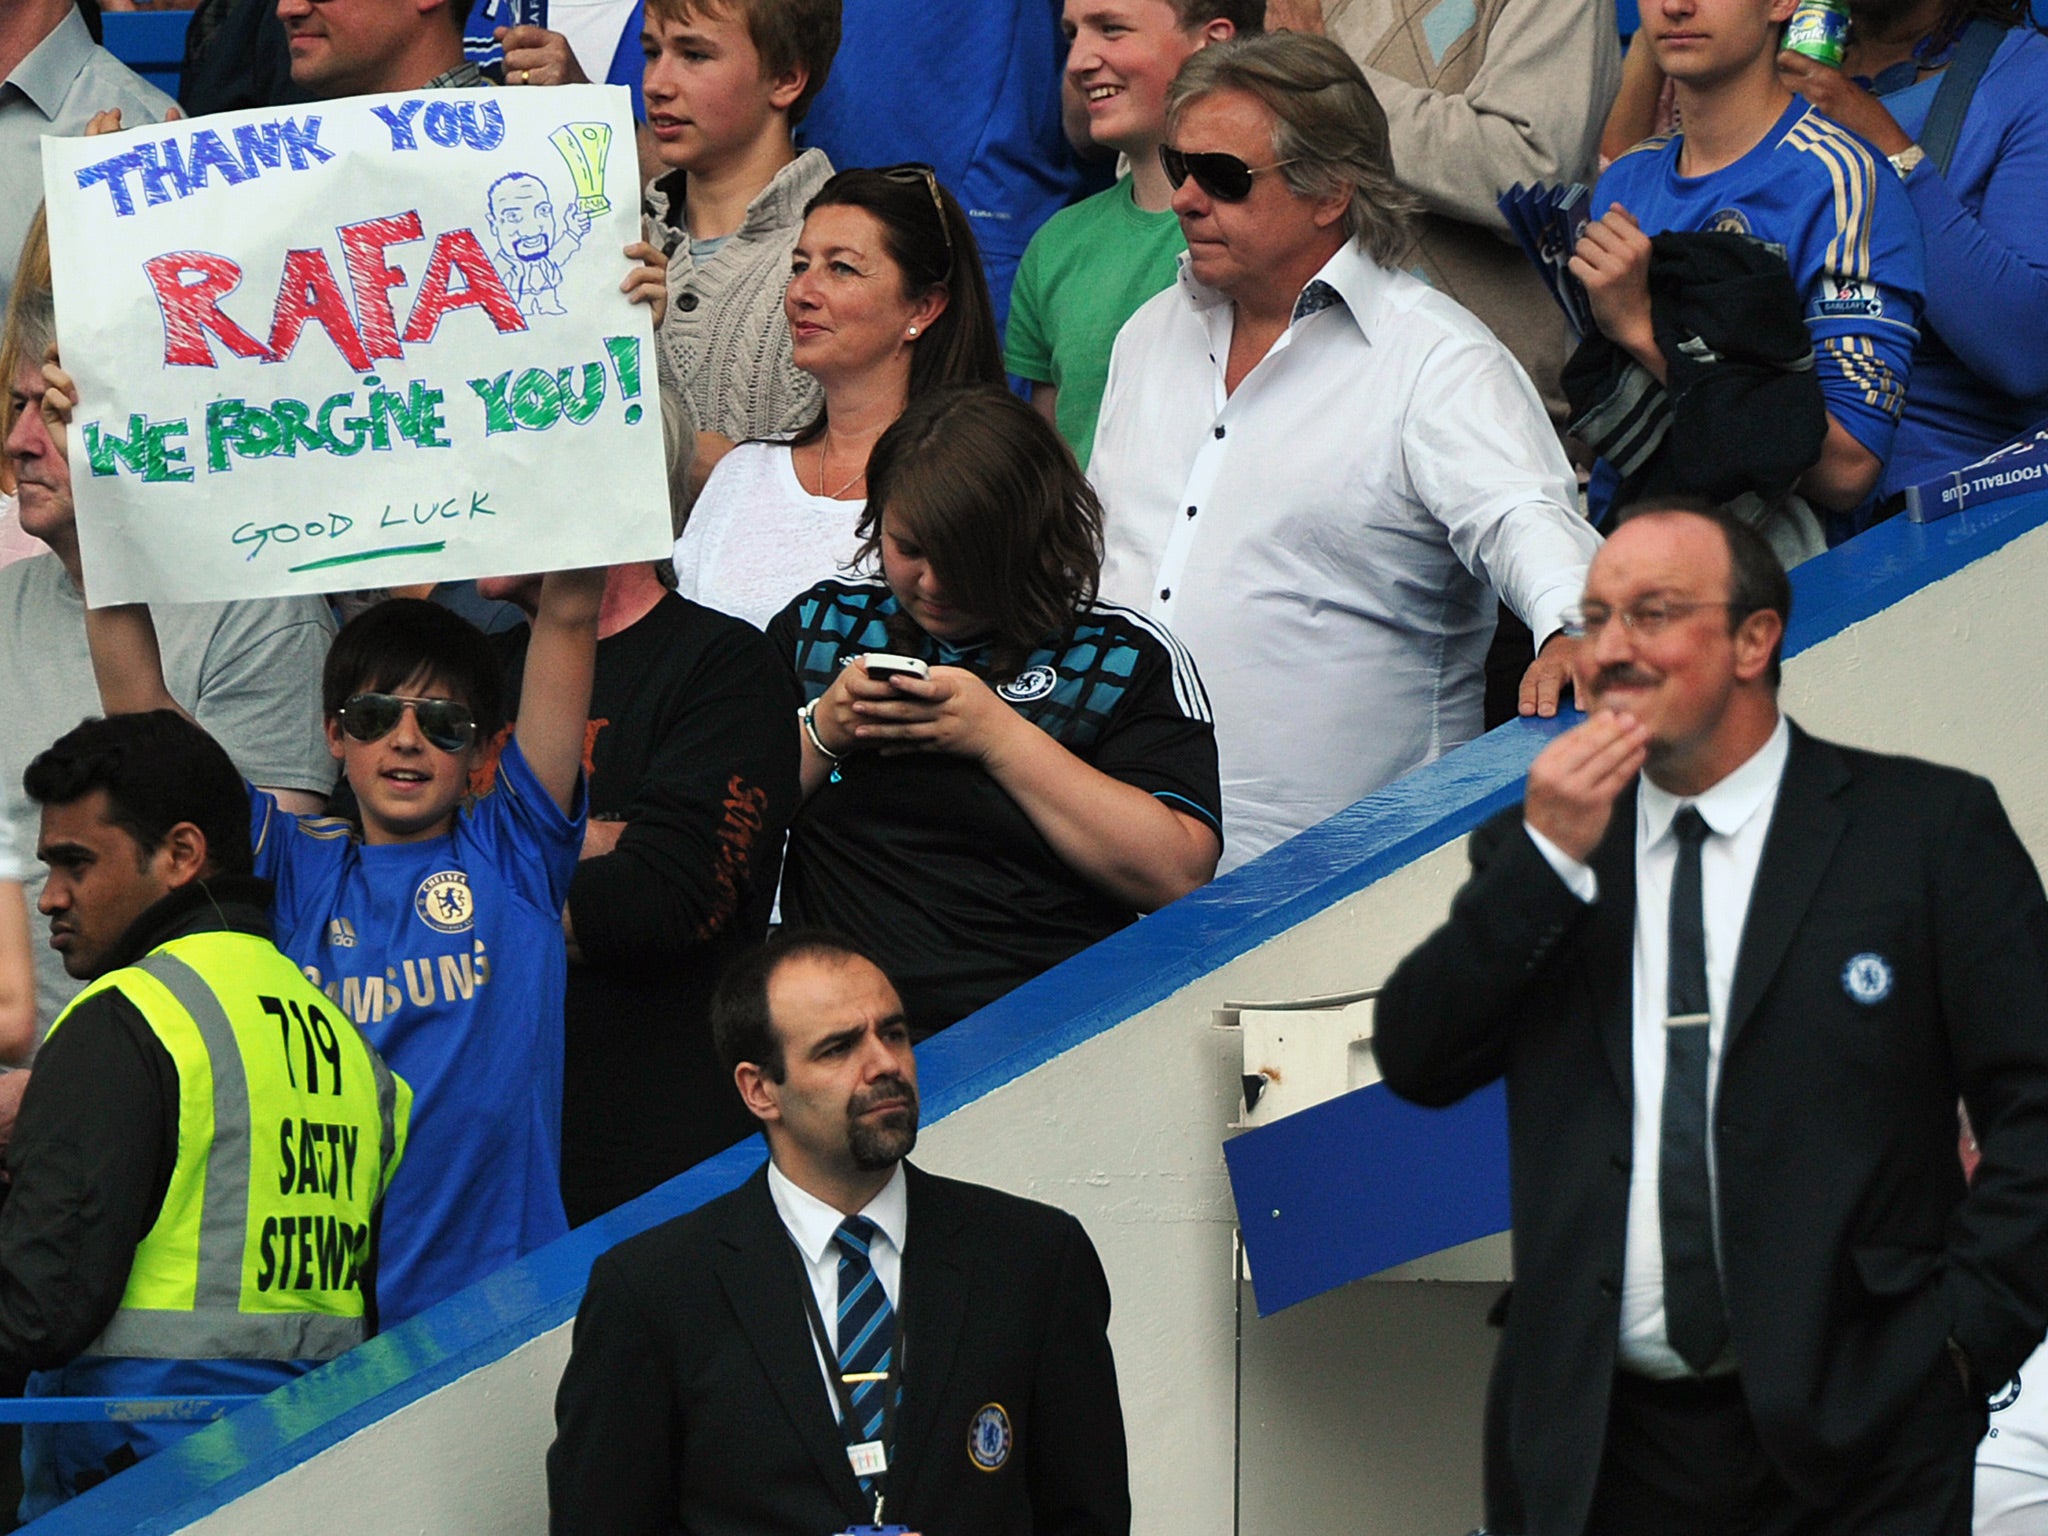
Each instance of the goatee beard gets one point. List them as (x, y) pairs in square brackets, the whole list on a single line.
[(879, 1144)]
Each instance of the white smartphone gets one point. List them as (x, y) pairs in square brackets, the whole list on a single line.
[(883, 665)]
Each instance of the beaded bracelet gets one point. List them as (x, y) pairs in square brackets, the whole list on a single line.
[(810, 726)]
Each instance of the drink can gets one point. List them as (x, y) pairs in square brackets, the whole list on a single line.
[(1819, 29)]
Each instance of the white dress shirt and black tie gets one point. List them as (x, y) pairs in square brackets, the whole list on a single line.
[(1737, 815)]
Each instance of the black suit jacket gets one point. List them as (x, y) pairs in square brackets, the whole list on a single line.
[(1850, 1247), (693, 1400)]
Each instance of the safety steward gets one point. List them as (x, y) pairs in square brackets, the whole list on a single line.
[(206, 1138)]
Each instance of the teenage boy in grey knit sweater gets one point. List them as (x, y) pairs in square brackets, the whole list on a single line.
[(726, 82)]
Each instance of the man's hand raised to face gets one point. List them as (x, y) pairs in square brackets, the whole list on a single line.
[(1574, 781)]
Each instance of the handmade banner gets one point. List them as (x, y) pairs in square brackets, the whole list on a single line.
[(364, 342)]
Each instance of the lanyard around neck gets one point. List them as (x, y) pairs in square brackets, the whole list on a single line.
[(841, 1393)]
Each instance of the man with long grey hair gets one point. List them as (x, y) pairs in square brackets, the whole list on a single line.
[(1315, 469)]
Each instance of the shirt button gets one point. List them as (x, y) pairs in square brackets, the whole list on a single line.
[(1165, 594), (1191, 511), (1219, 431), (686, 302)]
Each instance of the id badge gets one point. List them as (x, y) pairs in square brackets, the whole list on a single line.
[(869, 1458)]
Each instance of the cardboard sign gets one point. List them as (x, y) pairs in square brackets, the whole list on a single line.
[(363, 342)]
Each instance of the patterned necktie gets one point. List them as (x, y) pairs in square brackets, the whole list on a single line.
[(867, 1331), (1695, 1318)]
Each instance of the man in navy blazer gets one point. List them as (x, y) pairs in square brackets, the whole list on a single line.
[(1752, 1292), (700, 1393)]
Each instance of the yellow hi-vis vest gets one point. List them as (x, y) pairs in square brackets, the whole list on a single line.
[(290, 1127)]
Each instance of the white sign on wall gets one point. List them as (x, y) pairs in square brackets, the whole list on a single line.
[(363, 342)]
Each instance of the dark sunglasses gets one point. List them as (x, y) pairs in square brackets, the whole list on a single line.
[(909, 174), (373, 716), (1224, 177)]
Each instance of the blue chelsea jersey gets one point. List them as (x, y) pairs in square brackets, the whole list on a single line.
[(449, 954), (1840, 215)]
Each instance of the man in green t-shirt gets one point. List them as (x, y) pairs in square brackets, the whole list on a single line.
[(1089, 268)]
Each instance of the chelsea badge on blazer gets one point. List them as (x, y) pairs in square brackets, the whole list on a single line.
[(988, 1438)]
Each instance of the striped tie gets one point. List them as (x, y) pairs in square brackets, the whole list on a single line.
[(867, 1330)]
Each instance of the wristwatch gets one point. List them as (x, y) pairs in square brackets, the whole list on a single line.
[(1907, 158)]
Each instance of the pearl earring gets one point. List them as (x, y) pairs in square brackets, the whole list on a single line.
[(913, 330)]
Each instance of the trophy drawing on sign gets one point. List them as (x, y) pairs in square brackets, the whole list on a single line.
[(583, 147)]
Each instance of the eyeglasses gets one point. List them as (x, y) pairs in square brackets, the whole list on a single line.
[(1647, 619), (373, 716), (909, 174), (1224, 177)]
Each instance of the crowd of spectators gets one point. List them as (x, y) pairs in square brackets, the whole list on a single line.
[(1300, 429)]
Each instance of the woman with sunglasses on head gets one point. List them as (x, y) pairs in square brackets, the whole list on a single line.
[(886, 301), (1049, 777)]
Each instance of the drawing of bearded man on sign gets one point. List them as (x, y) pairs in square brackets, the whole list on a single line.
[(531, 245)]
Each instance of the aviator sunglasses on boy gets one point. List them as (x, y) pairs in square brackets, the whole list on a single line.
[(1224, 177), (443, 722)]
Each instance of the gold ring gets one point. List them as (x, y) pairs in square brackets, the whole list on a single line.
[(526, 77)]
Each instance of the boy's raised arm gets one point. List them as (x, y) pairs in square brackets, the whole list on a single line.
[(125, 660), (554, 699)]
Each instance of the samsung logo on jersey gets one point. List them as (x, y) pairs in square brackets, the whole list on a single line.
[(1851, 298)]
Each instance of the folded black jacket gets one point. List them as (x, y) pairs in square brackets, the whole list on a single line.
[(1741, 409)]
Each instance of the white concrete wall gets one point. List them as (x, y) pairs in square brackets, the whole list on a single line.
[(466, 1459), (1360, 1409)]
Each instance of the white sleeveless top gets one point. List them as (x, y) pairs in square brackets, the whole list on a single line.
[(756, 537)]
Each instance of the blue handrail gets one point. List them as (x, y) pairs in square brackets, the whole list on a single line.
[(121, 1410)]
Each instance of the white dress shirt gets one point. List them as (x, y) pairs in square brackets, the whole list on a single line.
[(1327, 540), (811, 1223), (1737, 812)]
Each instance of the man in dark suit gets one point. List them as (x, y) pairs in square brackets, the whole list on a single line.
[(843, 1339), (1736, 1003)]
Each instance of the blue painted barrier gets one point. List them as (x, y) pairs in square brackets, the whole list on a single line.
[(1087, 996), (120, 1410), (1356, 1185), (152, 43)]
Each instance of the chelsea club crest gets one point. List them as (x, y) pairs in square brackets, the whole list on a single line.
[(1031, 683), (1867, 978), (988, 1438), (443, 902)]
